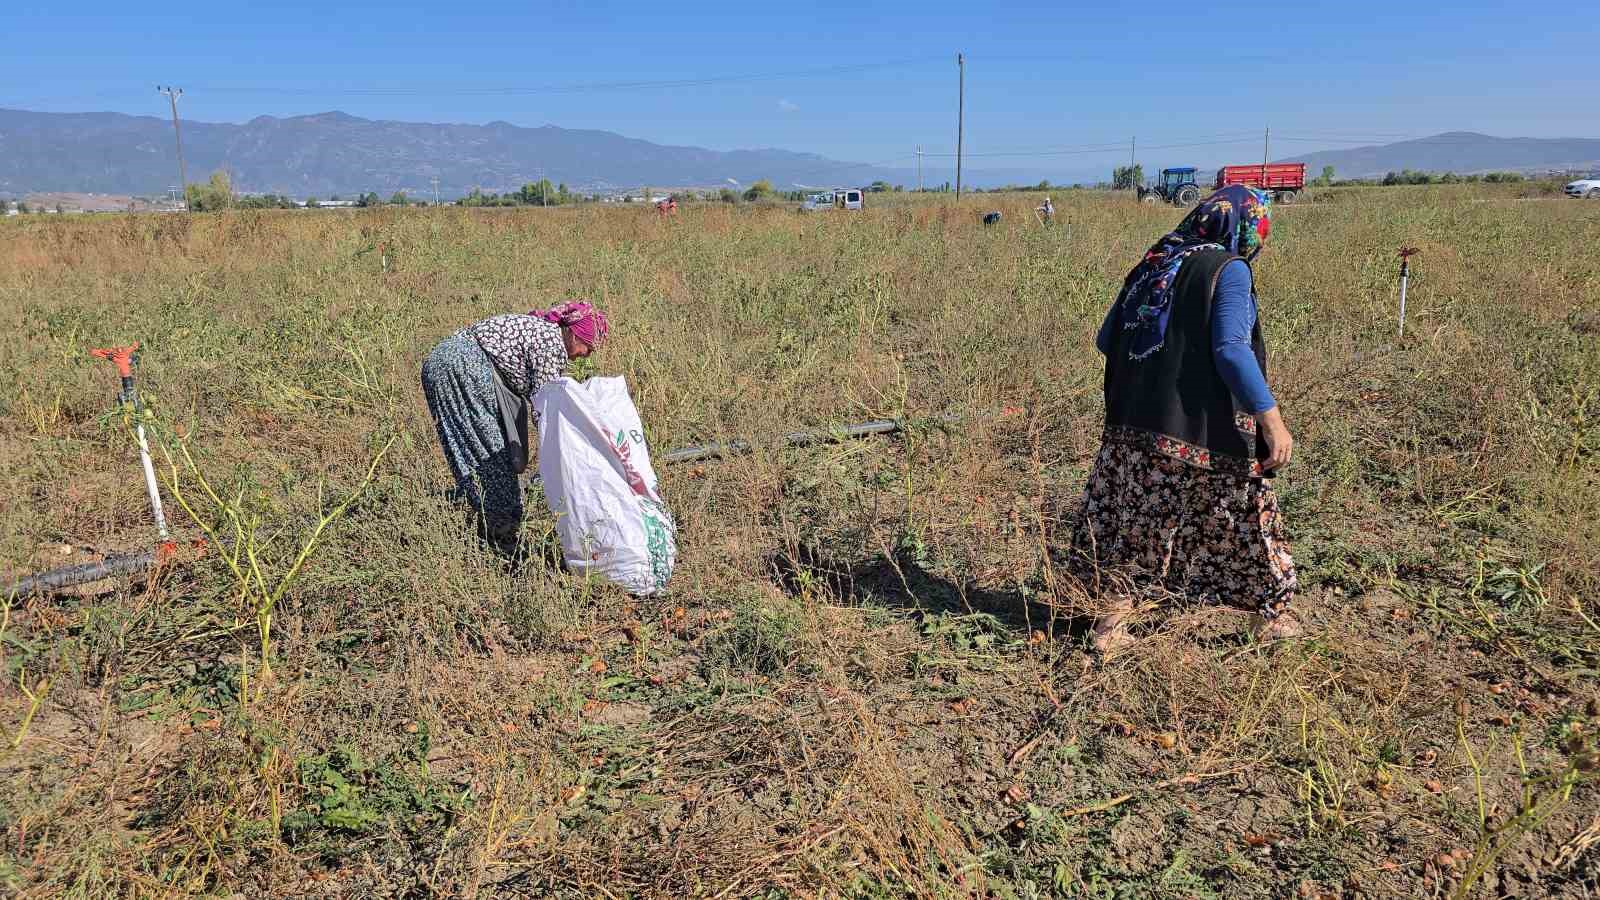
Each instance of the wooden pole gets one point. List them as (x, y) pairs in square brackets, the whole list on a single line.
[(1133, 149), (1266, 153), (173, 94), (961, 115)]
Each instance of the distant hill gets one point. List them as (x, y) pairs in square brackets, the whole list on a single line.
[(1462, 152), (333, 152)]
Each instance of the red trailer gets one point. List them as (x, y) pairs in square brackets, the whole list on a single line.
[(1284, 181)]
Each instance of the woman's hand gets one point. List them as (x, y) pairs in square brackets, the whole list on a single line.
[(1280, 443)]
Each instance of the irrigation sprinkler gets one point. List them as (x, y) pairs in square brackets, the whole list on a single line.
[(125, 358), (1405, 274)]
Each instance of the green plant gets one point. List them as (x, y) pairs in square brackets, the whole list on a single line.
[(214, 195), (765, 636), (1513, 587), (1543, 794), (34, 693), (240, 541), (345, 792)]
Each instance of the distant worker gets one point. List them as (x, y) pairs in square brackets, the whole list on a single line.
[(479, 382), (1047, 211), (1180, 499), (667, 207)]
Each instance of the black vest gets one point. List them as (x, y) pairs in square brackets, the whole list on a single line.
[(1175, 399)]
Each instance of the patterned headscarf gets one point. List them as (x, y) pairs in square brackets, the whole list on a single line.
[(1236, 219), (587, 323)]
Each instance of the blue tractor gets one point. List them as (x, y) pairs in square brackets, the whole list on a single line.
[(1177, 186)]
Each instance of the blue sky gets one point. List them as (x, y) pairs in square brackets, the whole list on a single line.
[(1039, 76)]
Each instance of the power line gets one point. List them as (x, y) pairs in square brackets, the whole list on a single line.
[(1389, 135), (847, 166), (1118, 148), (577, 88), (1117, 144), (1426, 141), (1220, 60)]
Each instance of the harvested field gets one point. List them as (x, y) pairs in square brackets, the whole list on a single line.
[(869, 679)]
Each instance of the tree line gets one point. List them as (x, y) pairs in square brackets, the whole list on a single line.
[(216, 193)]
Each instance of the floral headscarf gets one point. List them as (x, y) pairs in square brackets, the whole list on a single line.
[(1236, 219), (587, 323)]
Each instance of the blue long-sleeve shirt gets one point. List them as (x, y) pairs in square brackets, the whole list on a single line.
[(1233, 315)]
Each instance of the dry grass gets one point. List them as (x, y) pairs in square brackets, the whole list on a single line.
[(869, 681)]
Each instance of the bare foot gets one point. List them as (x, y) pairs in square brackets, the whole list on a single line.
[(1111, 631), (1112, 640), (1283, 627)]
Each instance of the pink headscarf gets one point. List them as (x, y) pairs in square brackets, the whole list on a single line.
[(587, 323)]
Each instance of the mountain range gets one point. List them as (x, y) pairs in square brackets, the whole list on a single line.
[(333, 152), (1462, 152)]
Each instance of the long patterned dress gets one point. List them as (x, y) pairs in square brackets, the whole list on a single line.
[(1177, 502), (458, 381), (1160, 520)]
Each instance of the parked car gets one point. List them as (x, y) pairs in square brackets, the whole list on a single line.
[(1587, 188), (814, 202), (839, 198)]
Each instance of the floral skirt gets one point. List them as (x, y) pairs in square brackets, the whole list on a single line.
[(458, 381), (1213, 536)]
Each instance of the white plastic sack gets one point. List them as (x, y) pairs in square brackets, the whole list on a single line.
[(597, 476)]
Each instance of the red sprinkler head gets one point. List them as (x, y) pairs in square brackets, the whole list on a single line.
[(1406, 252), (122, 356)]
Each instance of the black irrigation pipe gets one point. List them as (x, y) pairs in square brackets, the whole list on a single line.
[(83, 573), (793, 439), (133, 563)]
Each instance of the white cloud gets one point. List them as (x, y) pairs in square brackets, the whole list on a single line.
[(787, 106)]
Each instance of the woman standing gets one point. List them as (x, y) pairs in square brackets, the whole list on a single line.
[(1180, 498), (478, 383)]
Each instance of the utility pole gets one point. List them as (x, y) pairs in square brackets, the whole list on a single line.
[(435, 190), (1133, 148), (544, 190), (919, 169), (1266, 145), (961, 115), (173, 94)]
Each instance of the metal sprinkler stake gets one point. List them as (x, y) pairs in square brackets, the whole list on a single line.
[(1405, 273), (125, 357)]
